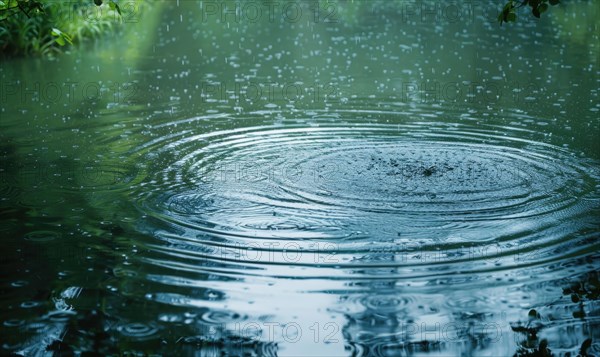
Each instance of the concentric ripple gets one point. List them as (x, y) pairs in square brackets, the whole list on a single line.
[(382, 195), (139, 331)]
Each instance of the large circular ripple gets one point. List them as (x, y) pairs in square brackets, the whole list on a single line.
[(388, 197)]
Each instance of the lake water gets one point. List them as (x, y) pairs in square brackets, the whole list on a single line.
[(367, 178)]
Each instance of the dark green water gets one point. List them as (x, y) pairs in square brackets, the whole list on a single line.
[(360, 178)]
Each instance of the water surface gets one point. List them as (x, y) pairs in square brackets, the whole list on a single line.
[(376, 180)]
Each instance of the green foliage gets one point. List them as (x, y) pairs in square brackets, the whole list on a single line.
[(113, 5), (10, 8), (538, 7), (61, 37), (26, 35), (31, 27)]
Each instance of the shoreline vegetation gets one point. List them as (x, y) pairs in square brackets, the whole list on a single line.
[(48, 28)]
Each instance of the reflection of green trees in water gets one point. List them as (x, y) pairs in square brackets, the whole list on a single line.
[(378, 330), (583, 294), (584, 291)]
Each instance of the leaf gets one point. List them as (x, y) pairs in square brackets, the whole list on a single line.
[(114, 6), (536, 12), (98, 2), (67, 38), (554, 2), (61, 37), (38, 6), (542, 8)]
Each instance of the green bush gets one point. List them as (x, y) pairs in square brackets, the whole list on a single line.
[(43, 27)]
